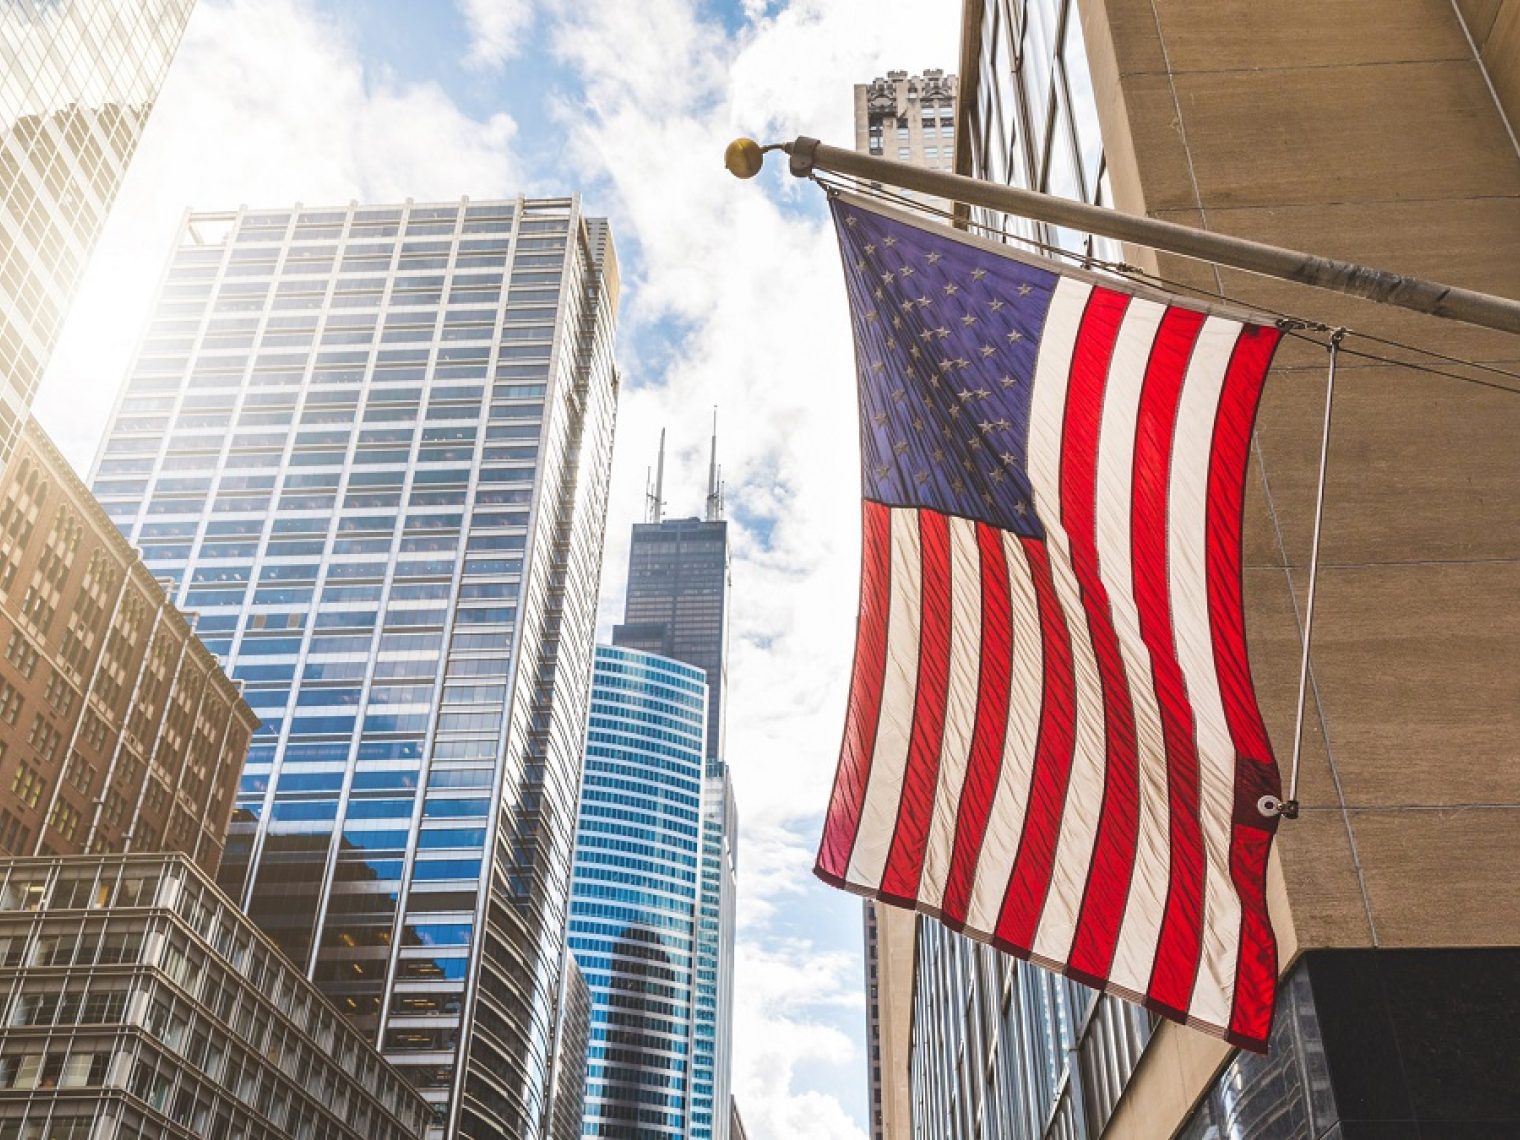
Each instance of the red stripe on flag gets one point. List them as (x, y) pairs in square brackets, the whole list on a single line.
[(1226, 495), (1113, 855), (1256, 968), (1255, 771), (905, 859), (1029, 881), (864, 709), (984, 764), (1180, 941)]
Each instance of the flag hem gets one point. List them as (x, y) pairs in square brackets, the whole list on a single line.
[(1233, 312), (1101, 985)]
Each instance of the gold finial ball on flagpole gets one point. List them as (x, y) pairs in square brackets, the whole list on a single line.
[(744, 158)]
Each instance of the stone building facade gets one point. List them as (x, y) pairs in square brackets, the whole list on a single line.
[(1382, 134), (118, 728)]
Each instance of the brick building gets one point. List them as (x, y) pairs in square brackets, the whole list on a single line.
[(118, 728)]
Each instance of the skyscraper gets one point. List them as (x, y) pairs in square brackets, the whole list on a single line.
[(712, 1057), (637, 900), (371, 446), (676, 602), (908, 118), (1393, 893), (572, 1036), (677, 607), (890, 933), (118, 730), (77, 81)]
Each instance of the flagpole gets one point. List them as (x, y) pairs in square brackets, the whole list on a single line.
[(1271, 805), (744, 158)]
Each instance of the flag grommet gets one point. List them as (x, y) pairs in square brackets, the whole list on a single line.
[(1272, 807)]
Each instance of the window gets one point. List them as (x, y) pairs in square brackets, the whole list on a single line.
[(64, 819), (59, 694), (80, 773), (43, 737), (28, 784), (19, 652), (10, 702)]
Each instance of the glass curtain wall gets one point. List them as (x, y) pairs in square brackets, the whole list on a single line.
[(635, 912), (1002, 1050), (77, 81), (1031, 119)]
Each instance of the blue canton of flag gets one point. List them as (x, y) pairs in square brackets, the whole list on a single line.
[(946, 355)]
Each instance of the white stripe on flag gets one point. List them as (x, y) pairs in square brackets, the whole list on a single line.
[(960, 705), (1135, 951), (1084, 796), (1213, 992), (1010, 803), (894, 728), (1084, 792)]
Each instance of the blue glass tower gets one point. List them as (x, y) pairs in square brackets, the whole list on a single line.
[(636, 894), (677, 606), (371, 446)]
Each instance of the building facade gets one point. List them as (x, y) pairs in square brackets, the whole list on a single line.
[(370, 445), (676, 603), (572, 1038), (636, 905), (712, 1055), (1031, 116), (1396, 912), (890, 934), (79, 80), (908, 118), (118, 728), (137, 1003)]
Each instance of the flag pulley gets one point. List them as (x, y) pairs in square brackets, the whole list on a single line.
[(745, 157)]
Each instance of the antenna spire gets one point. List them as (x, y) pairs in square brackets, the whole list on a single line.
[(714, 485), (654, 500)]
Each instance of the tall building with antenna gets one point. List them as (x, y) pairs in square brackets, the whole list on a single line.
[(676, 607), (677, 599)]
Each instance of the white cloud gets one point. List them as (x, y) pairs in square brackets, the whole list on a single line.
[(779, 993), (497, 29), (268, 103)]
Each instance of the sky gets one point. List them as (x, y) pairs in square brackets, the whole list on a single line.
[(732, 297)]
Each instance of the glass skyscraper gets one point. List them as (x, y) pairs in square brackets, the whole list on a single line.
[(1003, 1050), (77, 81), (371, 446), (676, 605), (637, 901)]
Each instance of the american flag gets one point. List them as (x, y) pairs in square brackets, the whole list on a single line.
[(1052, 743)]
